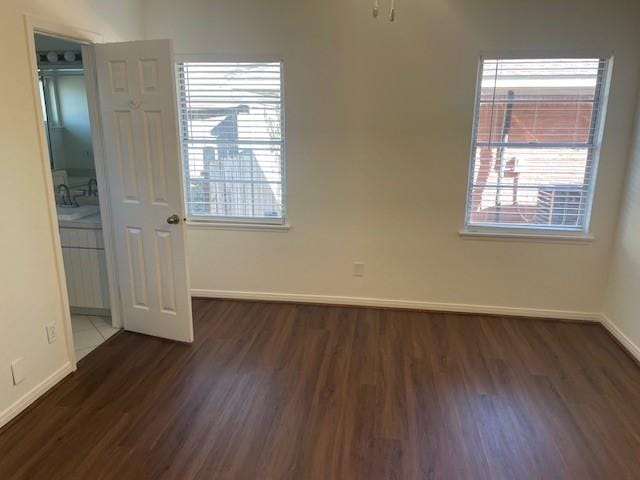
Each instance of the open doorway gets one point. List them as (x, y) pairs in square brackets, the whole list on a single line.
[(131, 187), (66, 115)]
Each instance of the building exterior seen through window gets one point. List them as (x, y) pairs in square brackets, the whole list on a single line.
[(536, 141), (232, 140)]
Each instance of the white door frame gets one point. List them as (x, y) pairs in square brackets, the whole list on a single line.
[(33, 26)]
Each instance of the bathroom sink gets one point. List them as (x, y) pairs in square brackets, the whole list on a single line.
[(66, 212)]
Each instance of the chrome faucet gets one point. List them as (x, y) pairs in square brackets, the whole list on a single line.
[(92, 187), (63, 191)]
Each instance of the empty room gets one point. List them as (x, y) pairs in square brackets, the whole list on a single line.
[(295, 239)]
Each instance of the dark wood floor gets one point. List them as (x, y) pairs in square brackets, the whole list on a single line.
[(277, 391)]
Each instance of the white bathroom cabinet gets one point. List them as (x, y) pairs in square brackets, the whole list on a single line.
[(85, 267)]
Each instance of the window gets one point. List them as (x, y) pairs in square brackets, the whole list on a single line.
[(43, 104), (536, 142), (232, 140), (48, 87)]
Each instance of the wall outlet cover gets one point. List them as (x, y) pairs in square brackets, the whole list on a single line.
[(358, 269)]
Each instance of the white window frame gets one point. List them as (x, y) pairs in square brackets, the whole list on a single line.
[(536, 232), (51, 104), (236, 223)]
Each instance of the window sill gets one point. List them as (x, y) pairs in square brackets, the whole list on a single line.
[(526, 236), (256, 227)]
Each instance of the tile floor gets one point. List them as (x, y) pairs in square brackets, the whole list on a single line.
[(89, 332)]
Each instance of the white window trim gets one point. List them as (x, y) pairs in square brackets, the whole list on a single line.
[(52, 105), (488, 232), (525, 234), (237, 223), (249, 226)]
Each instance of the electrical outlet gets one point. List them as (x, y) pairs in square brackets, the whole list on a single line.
[(358, 269), (17, 370), (51, 332)]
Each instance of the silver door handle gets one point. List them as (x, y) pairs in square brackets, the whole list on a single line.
[(173, 219)]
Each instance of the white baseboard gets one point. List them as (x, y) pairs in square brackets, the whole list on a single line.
[(632, 348), (36, 392), (404, 304)]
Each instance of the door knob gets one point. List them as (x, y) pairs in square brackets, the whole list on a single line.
[(173, 219)]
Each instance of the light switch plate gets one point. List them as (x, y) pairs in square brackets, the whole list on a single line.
[(51, 332), (17, 370)]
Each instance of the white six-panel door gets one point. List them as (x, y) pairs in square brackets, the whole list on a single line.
[(138, 106)]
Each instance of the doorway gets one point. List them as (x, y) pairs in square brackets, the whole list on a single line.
[(76, 189), (132, 190)]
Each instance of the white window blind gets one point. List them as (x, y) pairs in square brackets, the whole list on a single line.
[(536, 142), (232, 141), (43, 104)]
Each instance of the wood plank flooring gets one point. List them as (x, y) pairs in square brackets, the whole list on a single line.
[(281, 391)]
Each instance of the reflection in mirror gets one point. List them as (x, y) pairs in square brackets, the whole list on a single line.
[(65, 110)]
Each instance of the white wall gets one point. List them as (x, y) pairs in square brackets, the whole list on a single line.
[(378, 121), (29, 290), (622, 305)]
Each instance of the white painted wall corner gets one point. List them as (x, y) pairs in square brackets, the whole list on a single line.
[(628, 344)]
